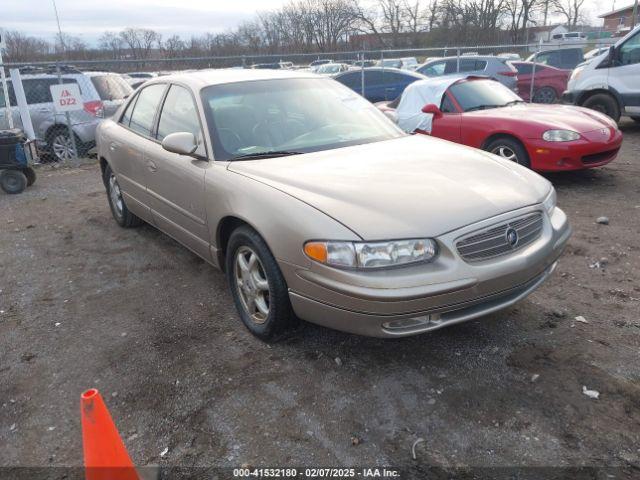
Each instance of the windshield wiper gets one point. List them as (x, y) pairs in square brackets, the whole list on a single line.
[(268, 154), (482, 107), (513, 102)]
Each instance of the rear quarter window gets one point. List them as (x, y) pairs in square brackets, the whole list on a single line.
[(111, 87)]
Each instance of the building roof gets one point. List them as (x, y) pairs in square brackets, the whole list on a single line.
[(615, 12)]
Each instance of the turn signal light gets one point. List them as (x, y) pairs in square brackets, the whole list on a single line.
[(316, 251)]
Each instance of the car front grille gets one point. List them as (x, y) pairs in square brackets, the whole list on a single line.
[(599, 157), (499, 239)]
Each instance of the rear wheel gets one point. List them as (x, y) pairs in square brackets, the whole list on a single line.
[(60, 145), (13, 181), (545, 95), (510, 149), (605, 103), (259, 290), (119, 210)]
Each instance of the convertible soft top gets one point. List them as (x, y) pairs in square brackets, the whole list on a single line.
[(416, 96)]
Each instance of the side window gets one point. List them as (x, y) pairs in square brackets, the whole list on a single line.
[(452, 66), (630, 51), (434, 70), (525, 68), (179, 114), (373, 77), (350, 80), (37, 90), (467, 65), (12, 95), (570, 57), (126, 117), (481, 65), (447, 105), (145, 109)]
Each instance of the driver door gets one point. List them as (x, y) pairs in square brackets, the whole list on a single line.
[(448, 126), (628, 74), (175, 183)]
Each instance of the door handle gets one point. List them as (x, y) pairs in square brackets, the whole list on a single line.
[(151, 166)]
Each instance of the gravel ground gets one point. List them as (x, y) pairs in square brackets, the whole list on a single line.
[(85, 303)]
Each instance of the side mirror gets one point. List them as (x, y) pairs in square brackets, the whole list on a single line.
[(432, 109), (182, 143)]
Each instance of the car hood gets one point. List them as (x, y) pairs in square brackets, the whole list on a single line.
[(539, 118), (413, 186)]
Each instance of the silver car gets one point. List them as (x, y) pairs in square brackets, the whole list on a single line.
[(318, 207), (497, 68), (102, 94)]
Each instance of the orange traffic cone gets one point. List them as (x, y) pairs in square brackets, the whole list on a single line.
[(105, 456)]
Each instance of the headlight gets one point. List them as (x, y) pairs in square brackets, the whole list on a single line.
[(368, 255), (576, 73), (560, 136), (549, 203)]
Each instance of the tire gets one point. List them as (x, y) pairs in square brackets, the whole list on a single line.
[(545, 95), (605, 103), (59, 144), (510, 149), (269, 314), (30, 173), (636, 119), (13, 181), (119, 210)]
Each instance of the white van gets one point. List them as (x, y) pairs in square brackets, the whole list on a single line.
[(610, 82)]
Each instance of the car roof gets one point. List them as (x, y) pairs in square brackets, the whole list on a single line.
[(409, 73), (204, 78), (468, 57)]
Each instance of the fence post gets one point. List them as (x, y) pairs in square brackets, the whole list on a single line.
[(458, 60), (533, 71), (72, 137), (362, 74), (5, 91)]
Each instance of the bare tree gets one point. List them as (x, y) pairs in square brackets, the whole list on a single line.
[(111, 42), (140, 41), (570, 9), (23, 48)]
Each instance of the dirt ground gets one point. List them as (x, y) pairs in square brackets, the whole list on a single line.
[(84, 303)]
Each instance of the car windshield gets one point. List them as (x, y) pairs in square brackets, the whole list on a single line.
[(483, 94), (329, 68), (111, 87), (300, 115)]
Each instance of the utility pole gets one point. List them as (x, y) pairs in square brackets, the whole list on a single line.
[(5, 89), (634, 17), (55, 9)]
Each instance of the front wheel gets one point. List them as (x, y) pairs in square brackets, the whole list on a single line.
[(258, 288), (545, 95), (13, 181), (119, 210), (509, 149), (605, 103)]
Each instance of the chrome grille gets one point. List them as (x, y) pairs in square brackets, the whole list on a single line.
[(493, 241)]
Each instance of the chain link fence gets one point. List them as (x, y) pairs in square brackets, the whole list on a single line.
[(66, 136)]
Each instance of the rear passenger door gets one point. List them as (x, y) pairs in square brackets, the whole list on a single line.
[(175, 183), (126, 146)]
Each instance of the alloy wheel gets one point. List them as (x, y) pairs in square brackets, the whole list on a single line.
[(115, 195), (252, 283), (544, 95), (505, 152), (62, 147)]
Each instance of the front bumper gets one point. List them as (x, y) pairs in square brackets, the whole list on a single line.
[(594, 149), (414, 300)]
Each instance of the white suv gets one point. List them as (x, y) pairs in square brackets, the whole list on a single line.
[(610, 82)]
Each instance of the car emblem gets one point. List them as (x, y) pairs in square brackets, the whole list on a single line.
[(512, 236)]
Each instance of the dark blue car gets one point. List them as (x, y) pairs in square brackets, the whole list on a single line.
[(380, 84)]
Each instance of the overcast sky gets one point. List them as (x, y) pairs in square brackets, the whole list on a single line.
[(88, 19)]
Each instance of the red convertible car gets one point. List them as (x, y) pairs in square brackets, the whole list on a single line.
[(484, 114), (548, 85)]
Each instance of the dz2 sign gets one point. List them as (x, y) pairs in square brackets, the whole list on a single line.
[(66, 97)]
